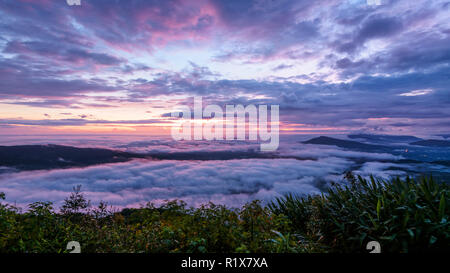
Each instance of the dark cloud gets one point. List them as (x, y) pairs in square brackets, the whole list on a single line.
[(74, 122), (410, 54), (282, 66), (20, 78), (372, 28), (57, 51)]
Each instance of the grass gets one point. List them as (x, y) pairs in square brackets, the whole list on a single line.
[(403, 215)]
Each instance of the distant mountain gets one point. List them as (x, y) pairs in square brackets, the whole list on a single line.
[(445, 136), (35, 157), (348, 144), (46, 157), (385, 138), (442, 162), (432, 143)]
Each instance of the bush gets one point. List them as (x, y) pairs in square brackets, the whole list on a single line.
[(403, 215)]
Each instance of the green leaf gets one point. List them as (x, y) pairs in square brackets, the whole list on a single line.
[(432, 240), (374, 223), (378, 208), (442, 206), (405, 220)]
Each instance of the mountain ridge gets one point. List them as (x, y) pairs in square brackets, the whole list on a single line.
[(432, 143)]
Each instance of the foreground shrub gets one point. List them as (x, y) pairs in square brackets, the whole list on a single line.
[(403, 215)]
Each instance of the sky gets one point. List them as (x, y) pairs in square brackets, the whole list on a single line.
[(118, 67)]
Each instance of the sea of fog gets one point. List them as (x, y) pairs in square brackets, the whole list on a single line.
[(294, 168)]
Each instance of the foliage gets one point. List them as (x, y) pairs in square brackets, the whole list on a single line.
[(76, 203), (403, 215)]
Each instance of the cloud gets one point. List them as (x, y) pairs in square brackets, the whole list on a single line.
[(413, 93), (416, 51), (282, 66), (19, 78), (59, 52), (142, 181), (372, 28), (73, 121)]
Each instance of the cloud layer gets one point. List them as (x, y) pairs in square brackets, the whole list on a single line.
[(295, 168), (232, 182)]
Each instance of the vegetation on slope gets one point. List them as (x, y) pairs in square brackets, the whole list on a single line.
[(403, 215)]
